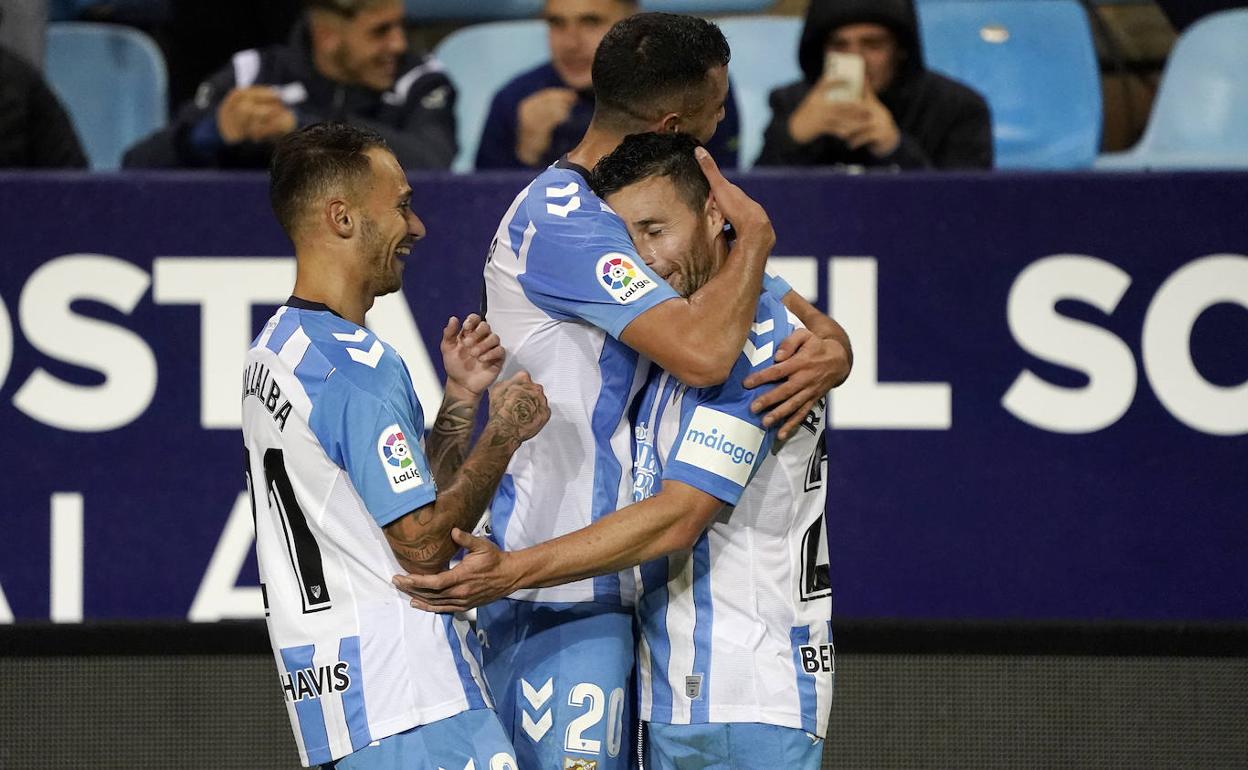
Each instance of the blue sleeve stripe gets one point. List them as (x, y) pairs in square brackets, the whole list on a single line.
[(410, 501), (703, 620), (353, 697), (281, 333), (501, 508), (775, 285), (653, 613), (472, 690), (618, 365), (707, 481), (308, 710), (807, 699)]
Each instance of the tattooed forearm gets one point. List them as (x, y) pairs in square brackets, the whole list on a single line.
[(511, 419), (448, 440)]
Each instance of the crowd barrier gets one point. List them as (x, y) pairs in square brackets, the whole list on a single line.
[(1046, 419)]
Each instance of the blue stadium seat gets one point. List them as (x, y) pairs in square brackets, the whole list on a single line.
[(1034, 61), (1200, 116), (764, 57), (439, 10), (479, 60), (112, 80)]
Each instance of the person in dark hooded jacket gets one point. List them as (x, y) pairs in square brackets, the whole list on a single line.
[(908, 117), (347, 61)]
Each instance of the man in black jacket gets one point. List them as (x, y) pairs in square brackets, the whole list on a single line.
[(35, 132), (907, 116), (347, 61)]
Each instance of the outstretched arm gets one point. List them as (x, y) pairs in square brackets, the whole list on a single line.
[(666, 523), (715, 320), (472, 357)]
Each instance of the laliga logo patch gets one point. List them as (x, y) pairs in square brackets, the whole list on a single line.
[(397, 461), (720, 443), (622, 279)]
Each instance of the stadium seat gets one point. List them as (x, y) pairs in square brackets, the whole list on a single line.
[(764, 57), (113, 83), (1200, 116), (479, 60), (1034, 61)]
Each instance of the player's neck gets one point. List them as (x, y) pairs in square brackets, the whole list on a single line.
[(596, 143), (334, 294)]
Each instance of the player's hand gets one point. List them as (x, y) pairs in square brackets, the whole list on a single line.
[(518, 409), (807, 367), (484, 574), (471, 354), (536, 118), (747, 217)]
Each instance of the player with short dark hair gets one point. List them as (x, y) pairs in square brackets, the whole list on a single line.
[(734, 665), (343, 491), (578, 306)]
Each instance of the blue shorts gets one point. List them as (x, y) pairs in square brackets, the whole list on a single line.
[(470, 736), (561, 678), (732, 746)]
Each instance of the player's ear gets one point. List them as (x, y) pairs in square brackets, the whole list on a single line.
[(670, 123), (340, 217), (714, 217)]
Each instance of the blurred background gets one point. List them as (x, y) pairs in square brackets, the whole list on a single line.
[(1038, 471)]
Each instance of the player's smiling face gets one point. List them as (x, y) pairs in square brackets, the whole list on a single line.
[(675, 240), (388, 226)]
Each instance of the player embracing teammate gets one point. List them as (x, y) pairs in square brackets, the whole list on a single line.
[(596, 320)]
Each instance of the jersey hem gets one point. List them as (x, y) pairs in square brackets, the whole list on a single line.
[(394, 726), (748, 715)]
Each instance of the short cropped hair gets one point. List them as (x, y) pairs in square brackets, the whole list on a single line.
[(317, 161), (652, 63), (642, 156)]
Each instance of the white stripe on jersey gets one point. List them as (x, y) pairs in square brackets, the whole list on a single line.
[(758, 603), (356, 662)]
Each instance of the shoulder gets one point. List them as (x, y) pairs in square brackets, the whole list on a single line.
[(344, 356), (952, 92), (789, 95), (420, 74)]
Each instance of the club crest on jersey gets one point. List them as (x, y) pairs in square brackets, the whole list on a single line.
[(397, 461), (716, 441), (622, 279)]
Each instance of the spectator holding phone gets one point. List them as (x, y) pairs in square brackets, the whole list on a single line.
[(867, 99)]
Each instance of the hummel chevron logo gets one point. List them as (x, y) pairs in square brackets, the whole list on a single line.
[(757, 355), (537, 698), (373, 355), (764, 327), (370, 357), (570, 189), (535, 730), (359, 335)]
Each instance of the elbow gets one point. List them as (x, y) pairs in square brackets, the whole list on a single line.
[(702, 368), (681, 536)]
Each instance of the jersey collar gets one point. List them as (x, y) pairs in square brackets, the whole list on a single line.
[(564, 163), (303, 304)]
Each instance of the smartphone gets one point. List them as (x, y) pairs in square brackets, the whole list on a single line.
[(844, 75)]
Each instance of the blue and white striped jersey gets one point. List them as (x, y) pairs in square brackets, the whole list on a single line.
[(562, 282), (738, 629), (333, 432)]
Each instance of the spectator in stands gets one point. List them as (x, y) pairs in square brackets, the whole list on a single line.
[(543, 113), (35, 132), (907, 116), (348, 60)]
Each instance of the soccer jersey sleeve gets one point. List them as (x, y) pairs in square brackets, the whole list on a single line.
[(776, 286), (720, 443), (580, 261), (376, 440)]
